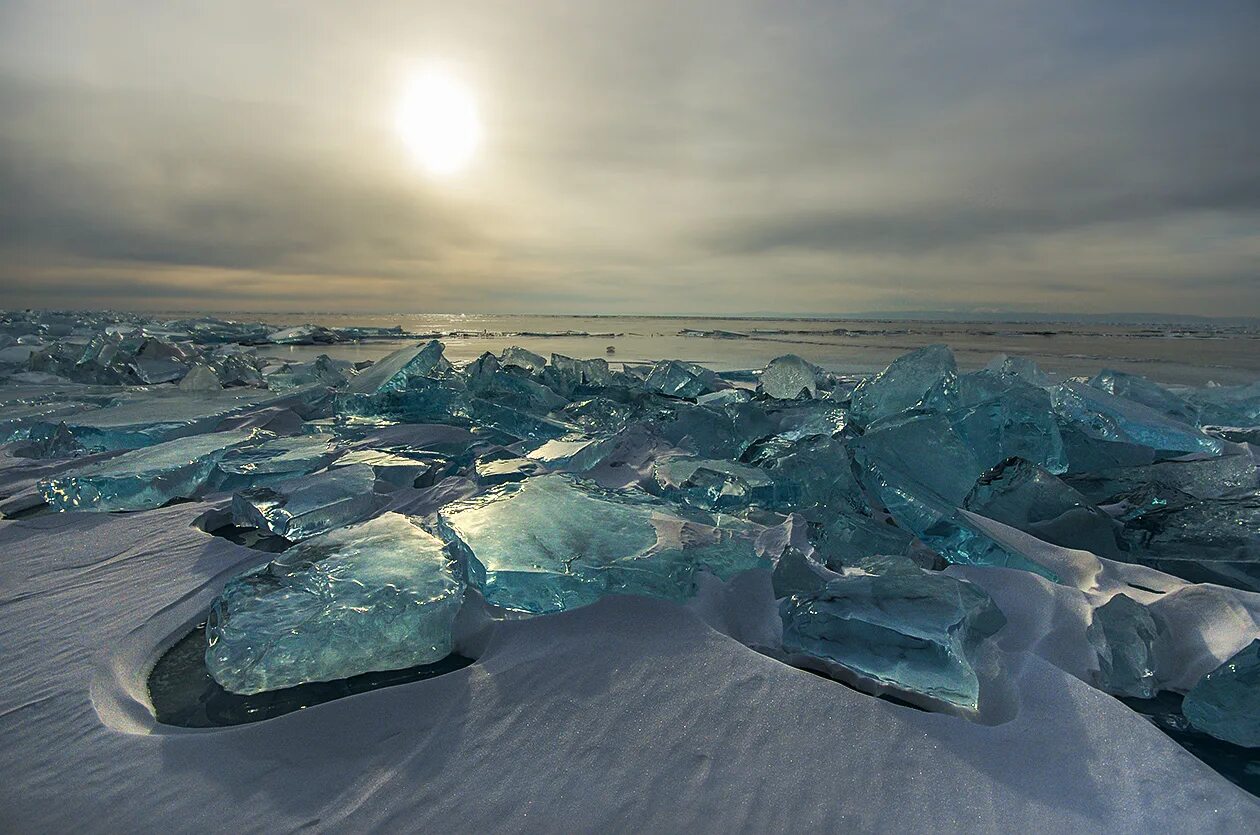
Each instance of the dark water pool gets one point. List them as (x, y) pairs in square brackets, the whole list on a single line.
[(184, 694), (1239, 765)]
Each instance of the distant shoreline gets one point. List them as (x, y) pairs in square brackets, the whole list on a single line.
[(926, 317)]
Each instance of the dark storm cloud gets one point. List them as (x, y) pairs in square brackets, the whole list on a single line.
[(655, 156)]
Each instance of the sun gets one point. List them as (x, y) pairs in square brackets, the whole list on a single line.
[(437, 120)]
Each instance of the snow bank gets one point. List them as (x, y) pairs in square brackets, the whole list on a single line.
[(629, 714)]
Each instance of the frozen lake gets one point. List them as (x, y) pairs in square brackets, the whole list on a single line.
[(1189, 355)]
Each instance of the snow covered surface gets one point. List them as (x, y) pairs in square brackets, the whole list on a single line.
[(630, 714)]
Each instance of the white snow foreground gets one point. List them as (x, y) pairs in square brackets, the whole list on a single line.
[(627, 715)]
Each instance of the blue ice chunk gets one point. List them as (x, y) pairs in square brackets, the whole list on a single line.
[(1204, 541), (488, 380), (200, 378), (155, 417), (310, 505), (809, 418), (916, 632), (711, 484), (1227, 405), (795, 572), (1025, 496), (18, 420), (1111, 418), (1123, 634), (850, 539), (382, 595), (789, 378), (323, 370), (565, 375), (599, 414), (1021, 368), (1226, 702), (1086, 454), (575, 455), (144, 478), (517, 357), (675, 378), (927, 445), (1199, 477), (1018, 423), (506, 468), (552, 543), (304, 335), (59, 443), (926, 504), (711, 433), (1148, 393), (237, 369), (154, 370), (1018, 492), (395, 371), (812, 476), (725, 397), (432, 401), (391, 468), (903, 384), (271, 461)]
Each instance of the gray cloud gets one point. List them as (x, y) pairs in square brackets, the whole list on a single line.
[(710, 156)]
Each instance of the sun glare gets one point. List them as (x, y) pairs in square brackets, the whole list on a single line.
[(437, 119)]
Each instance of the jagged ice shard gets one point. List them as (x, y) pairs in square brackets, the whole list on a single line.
[(1123, 633), (1226, 701), (310, 505), (789, 378), (1113, 418), (552, 543), (915, 632), (903, 384), (381, 595), (144, 478)]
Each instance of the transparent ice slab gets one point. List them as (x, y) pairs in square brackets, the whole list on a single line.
[(1226, 702), (144, 478), (915, 631), (552, 543)]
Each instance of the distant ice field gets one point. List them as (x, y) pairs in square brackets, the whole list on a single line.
[(1185, 355)]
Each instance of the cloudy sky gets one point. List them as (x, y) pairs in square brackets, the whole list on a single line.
[(658, 157)]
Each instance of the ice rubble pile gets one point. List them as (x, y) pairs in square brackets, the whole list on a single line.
[(546, 483), (198, 354)]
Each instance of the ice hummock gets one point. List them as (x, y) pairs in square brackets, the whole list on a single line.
[(380, 595)]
